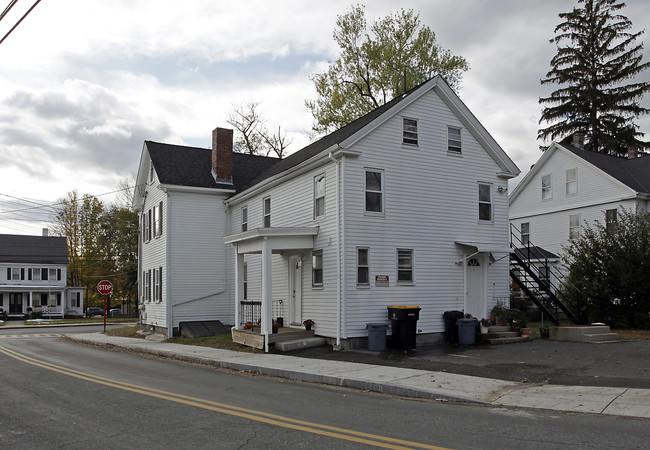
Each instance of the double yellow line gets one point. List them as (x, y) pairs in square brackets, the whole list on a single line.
[(259, 416)]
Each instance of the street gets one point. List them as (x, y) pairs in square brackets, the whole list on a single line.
[(56, 394)]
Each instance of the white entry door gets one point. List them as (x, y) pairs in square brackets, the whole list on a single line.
[(475, 301), (295, 289)]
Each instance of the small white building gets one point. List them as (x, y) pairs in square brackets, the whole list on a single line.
[(405, 206), (33, 272)]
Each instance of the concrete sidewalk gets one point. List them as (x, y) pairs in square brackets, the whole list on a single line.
[(398, 381)]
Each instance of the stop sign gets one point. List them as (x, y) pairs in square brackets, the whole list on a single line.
[(105, 287)]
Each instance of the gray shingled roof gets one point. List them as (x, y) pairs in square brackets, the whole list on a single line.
[(33, 249), (634, 173), (191, 166)]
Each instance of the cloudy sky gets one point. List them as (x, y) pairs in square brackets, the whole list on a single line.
[(84, 83)]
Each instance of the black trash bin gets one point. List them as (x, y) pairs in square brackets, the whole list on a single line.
[(404, 325), (451, 330)]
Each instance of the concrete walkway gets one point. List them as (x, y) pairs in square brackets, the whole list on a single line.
[(398, 381)]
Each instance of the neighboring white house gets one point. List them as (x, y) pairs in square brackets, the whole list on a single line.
[(569, 187), (33, 277), (405, 206)]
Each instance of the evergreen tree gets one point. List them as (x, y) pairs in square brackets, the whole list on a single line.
[(596, 56), (375, 67)]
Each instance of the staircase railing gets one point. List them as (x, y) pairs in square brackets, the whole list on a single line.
[(525, 265)]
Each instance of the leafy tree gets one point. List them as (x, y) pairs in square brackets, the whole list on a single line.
[(610, 267), (596, 55), (373, 68)]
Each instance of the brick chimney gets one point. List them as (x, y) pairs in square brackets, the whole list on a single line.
[(632, 152), (578, 140), (222, 154)]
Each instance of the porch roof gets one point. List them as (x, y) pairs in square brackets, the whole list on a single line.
[(486, 247), (278, 238)]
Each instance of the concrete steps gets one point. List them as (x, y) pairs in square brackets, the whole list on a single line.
[(296, 344), (503, 335), (597, 334)]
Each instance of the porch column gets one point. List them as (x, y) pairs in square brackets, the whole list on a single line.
[(267, 291), (239, 286)]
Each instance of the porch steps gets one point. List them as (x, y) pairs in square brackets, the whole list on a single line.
[(296, 344), (503, 335), (597, 334)]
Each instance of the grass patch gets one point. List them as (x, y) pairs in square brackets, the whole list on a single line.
[(131, 332)]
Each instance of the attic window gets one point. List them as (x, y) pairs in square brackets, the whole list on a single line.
[(454, 143), (151, 175), (409, 131)]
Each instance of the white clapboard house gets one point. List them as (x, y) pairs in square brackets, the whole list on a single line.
[(405, 206), (33, 273)]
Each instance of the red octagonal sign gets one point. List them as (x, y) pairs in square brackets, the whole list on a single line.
[(105, 287)]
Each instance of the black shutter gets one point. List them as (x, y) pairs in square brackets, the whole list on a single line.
[(160, 217), (58, 299), (43, 274), (58, 274), (22, 274), (29, 274), (8, 273)]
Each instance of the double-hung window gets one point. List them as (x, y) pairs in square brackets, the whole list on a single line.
[(319, 195), (404, 265), (547, 191), (525, 233), (317, 268), (374, 191), (409, 131), (154, 220), (147, 286), (53, 274), (15, 273), (571, 181), (363, 267), (454, 142), (156, 285), (485, 202), (267, 212), (244, 218), (574, 226), (36, 274)]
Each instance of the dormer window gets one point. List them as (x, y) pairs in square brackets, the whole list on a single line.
[(409, 131)]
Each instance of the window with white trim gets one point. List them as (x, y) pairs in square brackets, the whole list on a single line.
[(52, 274), (15, 273), (319, 195), (404, 265), (374, 189), (571, 181), (156, 285), (547, 191), (267, 212), (147, 286), (317, 268), (484, 202), (454, 142), (409, 131), (363, 267), (36, 274), (244, 218), (574, 226), (154, 221), (525, 233)]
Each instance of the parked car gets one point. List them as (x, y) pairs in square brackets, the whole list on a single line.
[(115, 312), (94, 311)]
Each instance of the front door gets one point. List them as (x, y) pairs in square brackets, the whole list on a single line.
[(295, 289), (475, 302), (16, 303)]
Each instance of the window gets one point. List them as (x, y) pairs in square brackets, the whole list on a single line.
[(151, 177), (244, 218), (147, 286), (571, 181), (574, 226), (146, 222), (374, 191), (611, 220), (409, 131), (454, 143), (156, 285), (319, 196), (317, 268), (36, 274), (245, 276), (267, 212), (404, 265), (547, 192), (154, 221), (52, 274), (363, 269), (15, 273), (525, 233), (157, 219), (484, 202)]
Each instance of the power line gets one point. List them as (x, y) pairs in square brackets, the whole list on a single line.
[(21, 19)]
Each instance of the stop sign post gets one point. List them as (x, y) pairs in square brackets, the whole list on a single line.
[(105, 287)]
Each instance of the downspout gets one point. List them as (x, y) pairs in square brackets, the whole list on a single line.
[(338, 253), (168, 300)]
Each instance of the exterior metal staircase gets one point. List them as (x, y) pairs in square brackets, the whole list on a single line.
[(531, 270)]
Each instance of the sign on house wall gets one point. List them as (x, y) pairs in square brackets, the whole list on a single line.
[(381, 281)]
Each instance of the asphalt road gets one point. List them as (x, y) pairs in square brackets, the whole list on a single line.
[(56, 394)]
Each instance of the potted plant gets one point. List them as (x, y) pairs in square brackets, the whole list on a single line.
[(308, 324), (485, 324), (499, 313), (275, 326)]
